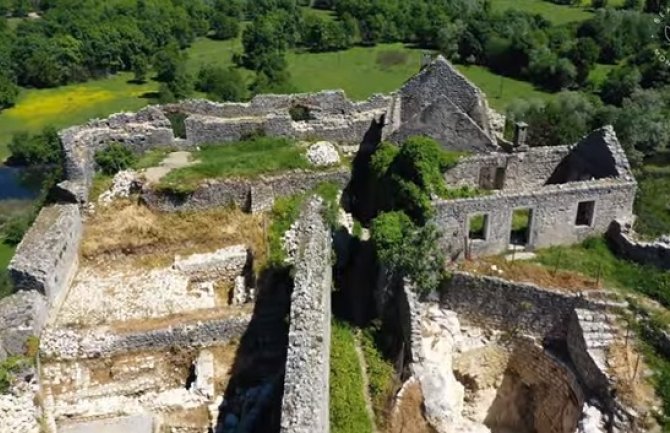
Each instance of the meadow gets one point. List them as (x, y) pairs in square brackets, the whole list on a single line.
[(359, 71), (556, 14)]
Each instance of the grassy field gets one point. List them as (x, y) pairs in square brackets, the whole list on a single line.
[(557, 14), (360, 71), (71, 105)]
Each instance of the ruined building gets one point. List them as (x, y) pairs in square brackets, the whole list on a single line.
[(114, 356)]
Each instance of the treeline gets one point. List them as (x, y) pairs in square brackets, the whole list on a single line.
[(75, 40)]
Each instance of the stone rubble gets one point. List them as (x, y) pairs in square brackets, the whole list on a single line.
[(323, 154), (125, 183)]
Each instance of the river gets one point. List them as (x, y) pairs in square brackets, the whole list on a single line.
[(20, 183)]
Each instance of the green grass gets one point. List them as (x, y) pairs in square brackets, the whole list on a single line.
[(71, 105), (6, 254), (500, 90), (381, 376), (151, 158), (599, 73), (556, 14), (347, 399), (248, 158), (594, 259), (652, 203)]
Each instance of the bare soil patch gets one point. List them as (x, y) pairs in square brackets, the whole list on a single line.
[(528, 272)]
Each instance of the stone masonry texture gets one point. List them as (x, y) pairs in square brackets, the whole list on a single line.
[(46, 258), (306, 383)]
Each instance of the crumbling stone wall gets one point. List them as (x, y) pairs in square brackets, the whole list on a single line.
[(504, 304), (22, 315), (623, 239), (522, 170), (305, 405), (557, 395), (553, 222), (102, 342), (248, 194), (439, 80), (332, 116), (141, 131), (46, 258)]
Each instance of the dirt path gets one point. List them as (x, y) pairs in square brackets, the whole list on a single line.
[(366, 382), (172, 161)]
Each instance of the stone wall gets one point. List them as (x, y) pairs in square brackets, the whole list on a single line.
[(522, 170), (441, 80), (103, 342), (305, 405), (22, 315), (47, 257), (141, 131), (248, 194), (624, 242), (332, 115), (506, 304), (558, 398), (553, 220)]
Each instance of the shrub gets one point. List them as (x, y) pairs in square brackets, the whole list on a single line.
[(178, 124), (40, 149), (284, 213), (7, 369), (114, 158), (381, 374), (16, 227)]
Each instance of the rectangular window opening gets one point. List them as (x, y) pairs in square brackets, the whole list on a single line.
[(521, 224), (477, 226), (500, 178), (585, 211)]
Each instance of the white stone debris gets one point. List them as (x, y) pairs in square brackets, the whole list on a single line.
[(125, 183), (204, 373), (323, 153), (224, 263), (592, 421), (240, 293)]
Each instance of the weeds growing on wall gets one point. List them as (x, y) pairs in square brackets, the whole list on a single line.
[(347, 401), (114, 158), (286, 211), (9, 367)]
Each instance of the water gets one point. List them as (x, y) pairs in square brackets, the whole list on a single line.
[(20, 183)]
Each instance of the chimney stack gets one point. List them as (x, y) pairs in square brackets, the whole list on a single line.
[(520, 133)]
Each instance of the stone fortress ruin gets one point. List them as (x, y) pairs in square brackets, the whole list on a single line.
[(190, 338)]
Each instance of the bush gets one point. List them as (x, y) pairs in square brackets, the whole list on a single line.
[(221, 84), (7, 369), (381, 375), (114, 158), (35, 150), (16, 227), (300, 113), (408, 250), (177, 121)]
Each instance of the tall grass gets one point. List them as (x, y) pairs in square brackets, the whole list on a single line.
[(347, 400)]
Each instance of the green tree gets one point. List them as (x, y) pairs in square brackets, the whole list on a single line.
[(620, 83), (167, 62), (9, 91), (224, 26), (221, 84), (140, 68), (36, 150), (584, 55)]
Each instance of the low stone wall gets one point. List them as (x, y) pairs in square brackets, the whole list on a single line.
[(102, 342), (248, 194), (46, 259), (623, 240), (226, 263), (506, 304), (305, 405)]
